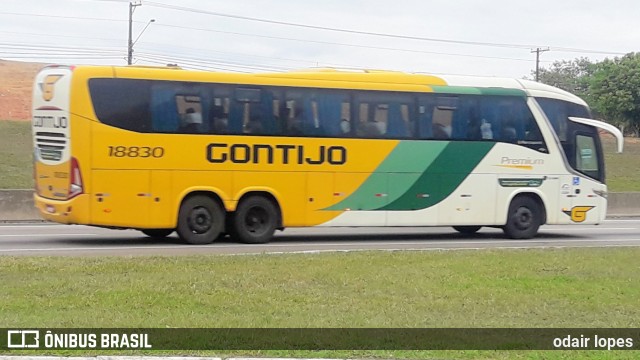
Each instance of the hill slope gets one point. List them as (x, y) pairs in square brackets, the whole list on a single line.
[(16, 81)]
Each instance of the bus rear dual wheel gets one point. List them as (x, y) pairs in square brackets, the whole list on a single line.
[(201, 220), (254, 221)]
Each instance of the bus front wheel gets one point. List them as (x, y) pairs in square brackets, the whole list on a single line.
[(524, 218), (200, 220), (254, 221)]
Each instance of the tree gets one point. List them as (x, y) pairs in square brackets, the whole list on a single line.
[(570, 75), (615, 91)]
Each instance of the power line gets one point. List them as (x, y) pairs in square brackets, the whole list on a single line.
[(315, 27), (387, 35), (344, 44), (561, 49), (201, 62), (60, 16), (293, 39)]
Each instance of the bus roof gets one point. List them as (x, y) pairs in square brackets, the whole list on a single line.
[(458, 84)]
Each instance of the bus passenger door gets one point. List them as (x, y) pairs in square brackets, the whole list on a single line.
[(120, 198)]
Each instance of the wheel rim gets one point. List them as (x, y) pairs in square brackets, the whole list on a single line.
[(257, 220), (200, 220), (523, 218)]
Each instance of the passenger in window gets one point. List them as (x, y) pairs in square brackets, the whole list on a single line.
[(345, 127), (532, 133), (254, 126), (294, 125), (380, 126), (219, 120), (369, 129), (441, 131), (191, 122), (473, 130), (509, 134), (485, 130)]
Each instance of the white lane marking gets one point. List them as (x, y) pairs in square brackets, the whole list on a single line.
[(568, 229), (546, 243), (34, 226), (48, 235)]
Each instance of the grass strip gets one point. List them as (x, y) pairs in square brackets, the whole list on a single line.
[(552, 288)]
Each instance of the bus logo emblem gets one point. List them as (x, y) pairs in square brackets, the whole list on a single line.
[(578, 213), (47, 86)]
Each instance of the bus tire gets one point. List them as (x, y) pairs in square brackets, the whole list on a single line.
[(157, 233), (467, 229), (524, 218), (254, 221), (200, 220)]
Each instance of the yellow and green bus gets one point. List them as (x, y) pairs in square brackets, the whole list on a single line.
[(207, 154)]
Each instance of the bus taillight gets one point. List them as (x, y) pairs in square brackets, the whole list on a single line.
[(75, 186)]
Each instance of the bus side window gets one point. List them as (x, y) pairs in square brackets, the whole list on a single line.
[(330, 114), (252, 112), (219, 115), (345, 119), (311, 113), (293, 117), (443, 114), (189, 109), (425, 118)]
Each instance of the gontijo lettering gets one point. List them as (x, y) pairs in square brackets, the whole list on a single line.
[(280, 154)]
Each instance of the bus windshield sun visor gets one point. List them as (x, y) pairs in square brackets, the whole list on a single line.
[(604, 126)]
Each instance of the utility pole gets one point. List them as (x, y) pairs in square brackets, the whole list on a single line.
[(132, 8), (538, 51)]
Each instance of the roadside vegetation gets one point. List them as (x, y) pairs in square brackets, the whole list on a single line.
[(623, 170), (549, 288), (16, 155)]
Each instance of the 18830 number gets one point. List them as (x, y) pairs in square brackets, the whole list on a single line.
[(136, 151)]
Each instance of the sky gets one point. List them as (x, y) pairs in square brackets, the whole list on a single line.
[(461, 37)]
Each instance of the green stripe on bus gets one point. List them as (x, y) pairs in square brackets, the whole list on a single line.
[(463, 90), (443, 176), (405, 164), (416, 175)]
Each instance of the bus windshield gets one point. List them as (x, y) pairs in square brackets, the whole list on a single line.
[(580, 142)]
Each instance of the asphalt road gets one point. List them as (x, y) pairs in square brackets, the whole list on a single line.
[(62, 240)]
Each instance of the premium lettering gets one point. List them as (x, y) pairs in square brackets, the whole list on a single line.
[(528, 161)]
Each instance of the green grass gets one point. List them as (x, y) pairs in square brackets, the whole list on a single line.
[(16, 151), (16, 159), (623, 170), (489, 288)]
